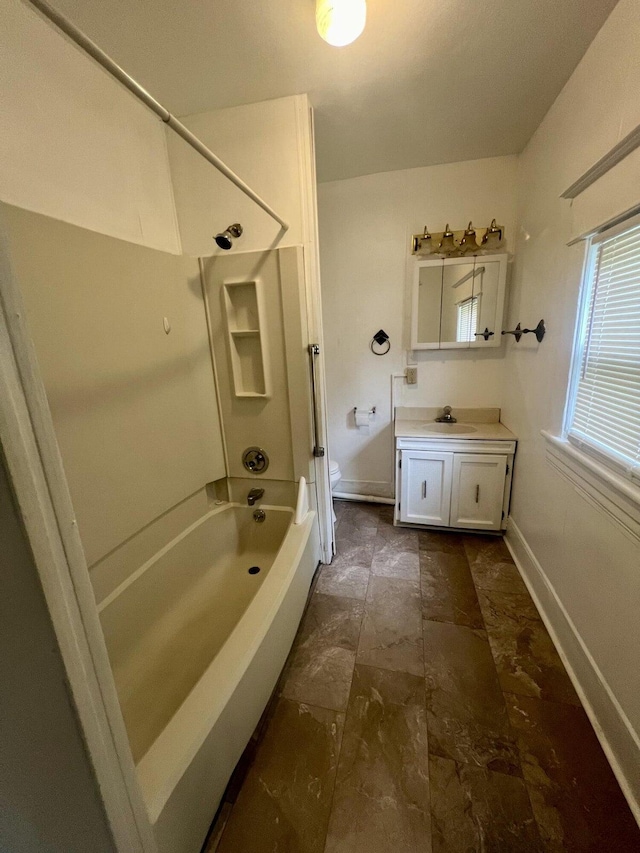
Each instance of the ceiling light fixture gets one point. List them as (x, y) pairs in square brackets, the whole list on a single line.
[(340, 22)]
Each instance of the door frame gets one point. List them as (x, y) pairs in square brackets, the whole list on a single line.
[(308, 183), (37, 478)]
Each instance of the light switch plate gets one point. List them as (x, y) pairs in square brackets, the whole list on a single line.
[(412, 375)]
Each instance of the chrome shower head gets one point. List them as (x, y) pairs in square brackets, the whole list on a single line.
[(226, 238)]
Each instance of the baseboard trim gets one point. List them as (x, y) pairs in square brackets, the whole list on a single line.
[(371, 499), (375, 488), (620, 742)]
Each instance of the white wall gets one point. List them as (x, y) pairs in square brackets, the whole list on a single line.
[(589, 566), (74, 144), (263, 144), (365, 229)]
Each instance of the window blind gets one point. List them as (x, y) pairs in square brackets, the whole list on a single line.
[(606, 404), (467, 319)]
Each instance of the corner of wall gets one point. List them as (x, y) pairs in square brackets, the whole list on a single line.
[(172, 192)]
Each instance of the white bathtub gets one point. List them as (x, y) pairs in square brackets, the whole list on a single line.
[(197, 644)]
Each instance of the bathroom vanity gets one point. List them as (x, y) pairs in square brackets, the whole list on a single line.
[(453, 475)]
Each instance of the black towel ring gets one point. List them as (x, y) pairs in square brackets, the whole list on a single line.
[(384, 352), (381, 338)]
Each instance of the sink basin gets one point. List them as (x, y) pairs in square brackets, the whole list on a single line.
[(449, 429)]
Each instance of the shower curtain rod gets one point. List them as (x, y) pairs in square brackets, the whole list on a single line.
[(90, 47)]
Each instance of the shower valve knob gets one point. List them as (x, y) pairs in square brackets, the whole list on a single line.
[(255, 460)]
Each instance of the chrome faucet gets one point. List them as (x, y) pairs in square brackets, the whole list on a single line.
[(446, 417), (254, 495)]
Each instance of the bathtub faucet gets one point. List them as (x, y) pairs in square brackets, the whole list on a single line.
[(254, 495)]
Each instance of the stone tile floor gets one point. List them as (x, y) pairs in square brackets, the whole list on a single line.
[(423, 708)]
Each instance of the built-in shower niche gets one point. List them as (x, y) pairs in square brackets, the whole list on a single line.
[(246, 328)]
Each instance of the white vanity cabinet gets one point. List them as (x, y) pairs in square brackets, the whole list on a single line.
[(456, 483), (477, 491), (426, 486)]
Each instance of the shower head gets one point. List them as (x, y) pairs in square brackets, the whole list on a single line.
[(226, 238)]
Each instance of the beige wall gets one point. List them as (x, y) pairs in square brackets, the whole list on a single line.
[(279, 423), (589, 564), (134, 408), (74, 144), (50, 799), (264, 144), (365, 229)]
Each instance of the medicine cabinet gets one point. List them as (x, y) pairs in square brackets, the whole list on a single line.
[(458, 303)]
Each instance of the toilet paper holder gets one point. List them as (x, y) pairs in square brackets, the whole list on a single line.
[(362, 417)]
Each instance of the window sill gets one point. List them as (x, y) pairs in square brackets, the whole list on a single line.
[(610, 492)]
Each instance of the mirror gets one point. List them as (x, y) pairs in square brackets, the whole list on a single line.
[(429, 304), (455, 300)]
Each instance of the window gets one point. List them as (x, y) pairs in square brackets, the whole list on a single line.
[(603, 412), (467, 319)]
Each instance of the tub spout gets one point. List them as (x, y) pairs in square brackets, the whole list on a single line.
[(254, 495)]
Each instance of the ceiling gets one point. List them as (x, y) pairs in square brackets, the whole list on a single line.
[(429, 81)]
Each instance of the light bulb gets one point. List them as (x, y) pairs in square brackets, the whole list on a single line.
[(448, 244), (340, 22)]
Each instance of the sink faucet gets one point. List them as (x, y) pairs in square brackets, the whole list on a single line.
[(254, 495), (446, 417)]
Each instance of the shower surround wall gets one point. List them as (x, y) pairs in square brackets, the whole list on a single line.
[(365, 228), (280, 422), (134, 407)]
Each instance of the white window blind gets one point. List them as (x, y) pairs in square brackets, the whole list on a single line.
[(605, 414), (467, 319)]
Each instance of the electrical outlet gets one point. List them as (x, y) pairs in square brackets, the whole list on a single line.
[(412, 375)]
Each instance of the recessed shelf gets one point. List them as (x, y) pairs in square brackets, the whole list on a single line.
[(247, 347)]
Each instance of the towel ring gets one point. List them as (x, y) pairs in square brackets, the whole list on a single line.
[(384, 351)]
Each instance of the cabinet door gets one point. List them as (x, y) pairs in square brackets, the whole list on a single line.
[(478, 490), (425, 495)]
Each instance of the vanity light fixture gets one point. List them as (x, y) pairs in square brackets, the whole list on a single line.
[(447, 244), (468, 244), (422, 243), (340, 22), (492, 238), (455, 243)]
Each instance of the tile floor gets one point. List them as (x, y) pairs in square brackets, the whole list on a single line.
[(423, 708)]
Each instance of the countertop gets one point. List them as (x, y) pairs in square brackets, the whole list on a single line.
[(473, 431), (474, 424)]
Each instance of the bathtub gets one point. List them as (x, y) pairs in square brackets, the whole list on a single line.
[(196, 643)]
